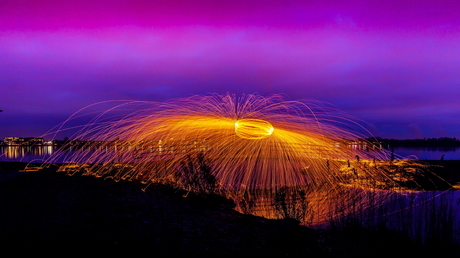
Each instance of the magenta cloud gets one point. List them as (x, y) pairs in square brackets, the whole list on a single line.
[(394, 65)]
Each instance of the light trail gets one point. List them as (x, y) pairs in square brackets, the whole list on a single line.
[(252, 146)]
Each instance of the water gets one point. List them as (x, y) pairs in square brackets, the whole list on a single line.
[(34, 154), (424, 153), (427, 215), (41, 153)]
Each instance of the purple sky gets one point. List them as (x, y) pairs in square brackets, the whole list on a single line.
[(392, 64)]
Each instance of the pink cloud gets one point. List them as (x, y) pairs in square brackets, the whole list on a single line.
[(391, 61)]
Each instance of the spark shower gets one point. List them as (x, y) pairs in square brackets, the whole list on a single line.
[(252, 147)]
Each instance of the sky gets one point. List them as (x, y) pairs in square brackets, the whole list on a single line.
[(395, 65)]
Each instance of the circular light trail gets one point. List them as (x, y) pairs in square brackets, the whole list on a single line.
[(253, 146), (253, 128)]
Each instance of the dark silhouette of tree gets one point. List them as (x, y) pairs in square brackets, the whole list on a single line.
[(291, 203), (194, 175)]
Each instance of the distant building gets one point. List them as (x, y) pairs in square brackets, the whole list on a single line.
[(19, 141)]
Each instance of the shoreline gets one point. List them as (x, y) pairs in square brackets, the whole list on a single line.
[(449, 170)]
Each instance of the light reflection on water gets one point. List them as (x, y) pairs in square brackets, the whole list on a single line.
[(428, 215), (26, 153), (41, 153), (422, 215)]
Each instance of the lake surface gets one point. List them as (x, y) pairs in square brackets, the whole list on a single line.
[(42, 153), (427, 153)]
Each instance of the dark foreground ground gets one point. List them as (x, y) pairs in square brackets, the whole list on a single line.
[(51, 213)]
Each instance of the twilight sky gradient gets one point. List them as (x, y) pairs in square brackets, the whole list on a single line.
[(392, 64)]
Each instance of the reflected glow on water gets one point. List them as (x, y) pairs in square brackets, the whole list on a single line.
[(40, 153), (26, 153)]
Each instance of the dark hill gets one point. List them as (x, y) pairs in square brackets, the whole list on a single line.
[(50, 213)]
